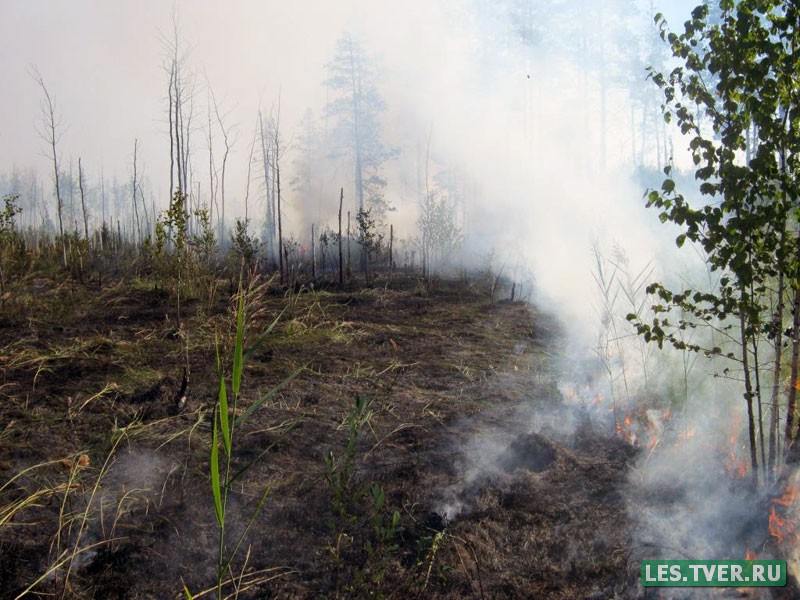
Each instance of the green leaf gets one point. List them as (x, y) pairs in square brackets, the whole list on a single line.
[(223, 415), (216, 486), (680, 240), (238, 352), (222, 402)]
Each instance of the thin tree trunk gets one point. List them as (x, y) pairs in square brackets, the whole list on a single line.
[(83, 201), (171, 136), (277, 165), (777, 327), (757, 377), (348, 244), (212, 178), (313, 255), (748, 396), (226, 142), (791, 408), (270, 241), (178, 154), (135, 209), (341, 261)]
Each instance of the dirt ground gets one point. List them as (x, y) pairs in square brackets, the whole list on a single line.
[(104, 464)]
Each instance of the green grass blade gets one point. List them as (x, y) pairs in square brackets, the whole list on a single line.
[(222, 397), (223, 416), (238, 352), (216, 486)]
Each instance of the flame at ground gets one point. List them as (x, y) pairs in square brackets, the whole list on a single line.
[(624, 429), (783, 522), (644, 428)]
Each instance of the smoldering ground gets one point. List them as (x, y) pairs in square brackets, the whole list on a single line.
[(549, 177)]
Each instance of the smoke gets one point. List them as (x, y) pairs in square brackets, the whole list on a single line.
[(541, 138)]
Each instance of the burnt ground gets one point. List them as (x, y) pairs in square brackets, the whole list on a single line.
[(104, 471)]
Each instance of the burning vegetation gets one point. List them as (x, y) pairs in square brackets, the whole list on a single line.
[(340, 392)]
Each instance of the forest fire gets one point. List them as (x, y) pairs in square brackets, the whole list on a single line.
[(736, 463), (782, 522), (624, 429), (777, 526), (736, 466), (643, 428)]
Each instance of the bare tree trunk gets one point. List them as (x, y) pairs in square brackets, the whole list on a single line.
[(227, 143), (103, 205), (748, 396), (790, 436), (277, 167), (51, 135), (348, 243), (265, 161), (777, 327), (83, 201), (247, 186), (171, 134), (313, 255), (341, 261), (212, 178), (72, 199), (135, 209), (176, 107), (278, 205)]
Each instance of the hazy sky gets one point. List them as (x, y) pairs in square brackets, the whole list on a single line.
[(103, 63)]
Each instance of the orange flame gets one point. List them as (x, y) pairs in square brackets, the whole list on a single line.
[(750, 555), (782, 526), (623, 429), (776, 525)]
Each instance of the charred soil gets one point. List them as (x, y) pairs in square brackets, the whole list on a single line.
[(105, 449)]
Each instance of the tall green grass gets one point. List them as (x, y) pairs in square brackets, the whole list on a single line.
[(222, 470)]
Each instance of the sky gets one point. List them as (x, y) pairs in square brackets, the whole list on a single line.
[(103, 64)]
